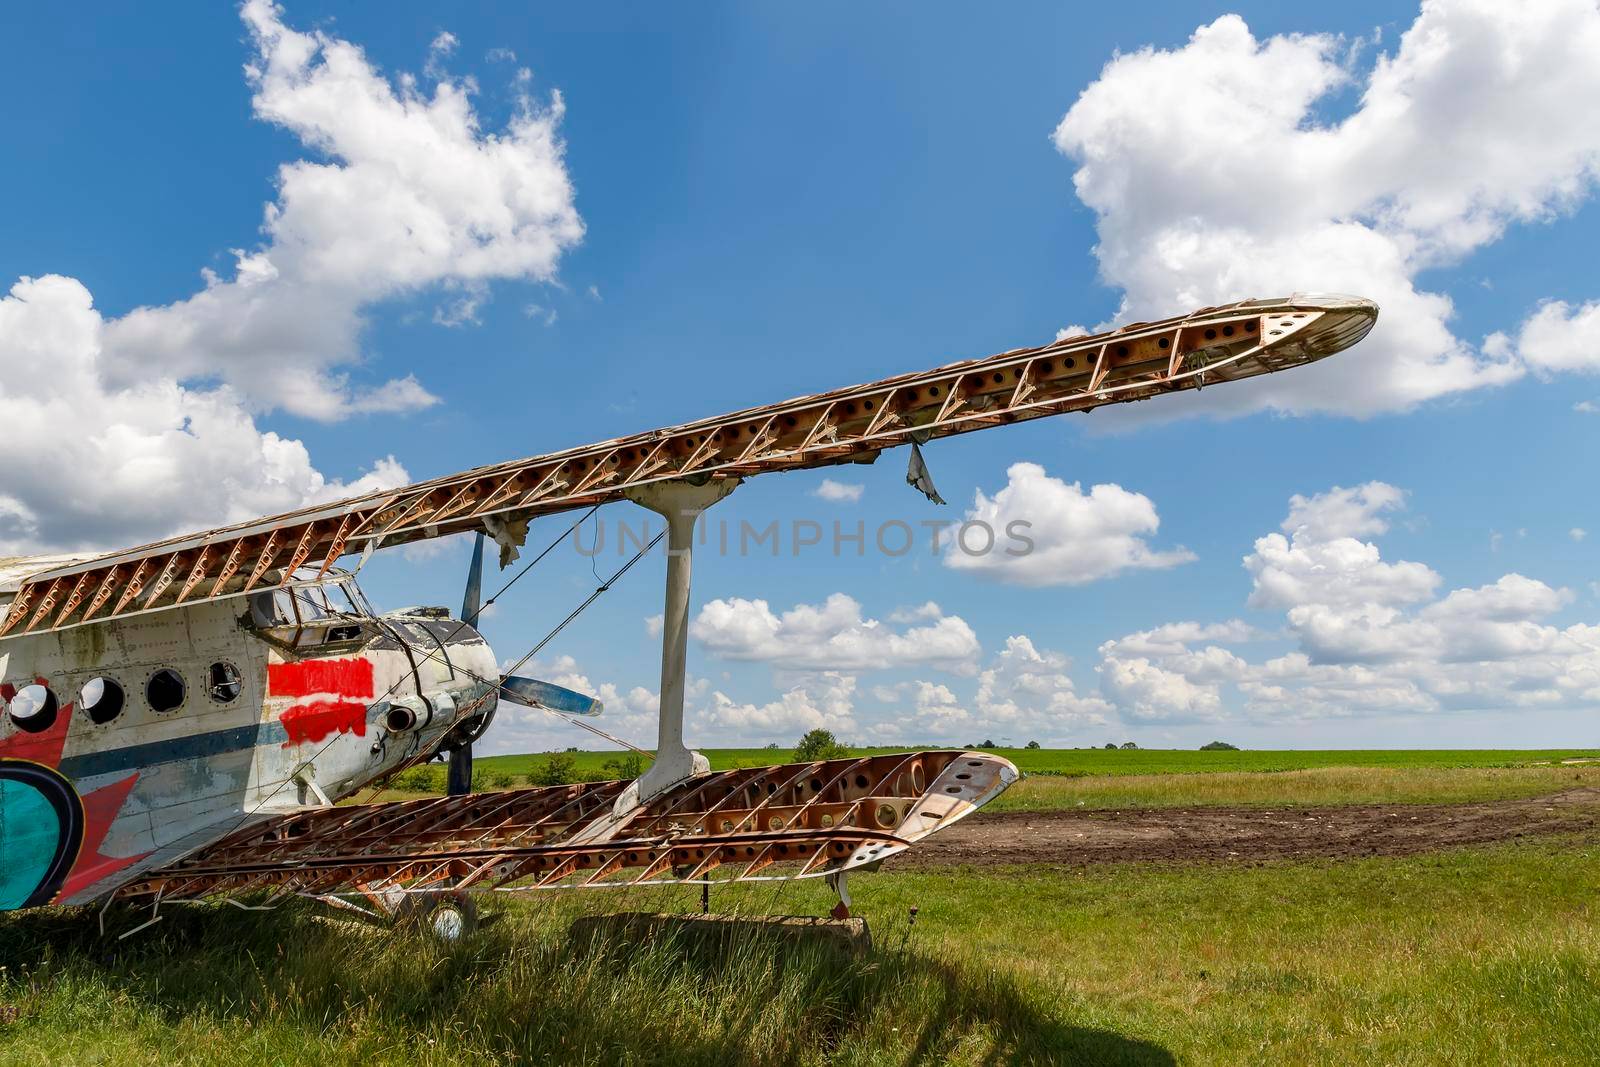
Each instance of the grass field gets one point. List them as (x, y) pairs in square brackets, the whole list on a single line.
[(1482, 954), (1485, 955), (1075, 762)]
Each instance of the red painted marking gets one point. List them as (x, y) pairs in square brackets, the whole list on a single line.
[(336, 677), (42, 747), (318, 719), (99, 812)]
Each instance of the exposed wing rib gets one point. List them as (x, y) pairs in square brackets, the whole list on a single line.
[(1134, 362)]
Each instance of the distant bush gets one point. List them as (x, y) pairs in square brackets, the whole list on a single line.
[(558, 768), (1218, 746), (819, 744), (1032, 744), (482, 780), (502, 780), (1129, 744), (419, 780), (629, 766), (1111, 744)]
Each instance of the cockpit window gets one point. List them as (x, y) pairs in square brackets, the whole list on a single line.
[(272, 607)]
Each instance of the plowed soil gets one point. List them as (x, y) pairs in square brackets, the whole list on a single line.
[(1249, 835)]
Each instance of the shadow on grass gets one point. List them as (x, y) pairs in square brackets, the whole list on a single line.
[(521, 990)]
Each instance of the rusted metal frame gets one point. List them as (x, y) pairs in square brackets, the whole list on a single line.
[(46, 603), (1025, 386), (264, 558), (323, 871), (758, 440), (584, 813), (662, 862), (168, 575), (462, 500), (335, 546), (74, 598), (710, 862), (680, 804), (547, 485), (709, 445), (954, 397), (508, 488), (820, 854), (821, 429), (230, 566), (1100, 369), (196, 574), (108, 585), (885, 413), (609, 866), (1175, 360), (598, 474), (743, 779), (301, 553), (651, 462), (19, 608), (766, 801)]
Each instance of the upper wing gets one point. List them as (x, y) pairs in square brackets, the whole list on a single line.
[(1133, 362)]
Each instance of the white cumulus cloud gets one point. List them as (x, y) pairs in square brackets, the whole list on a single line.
[(838, 492), (831, 636), (127, 428), (1215, 176), (1041, 531), (1370, 636)]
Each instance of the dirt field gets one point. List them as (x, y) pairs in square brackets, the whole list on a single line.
[(1250, 835)]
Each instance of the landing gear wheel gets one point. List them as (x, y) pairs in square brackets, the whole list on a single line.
[(445, 916)]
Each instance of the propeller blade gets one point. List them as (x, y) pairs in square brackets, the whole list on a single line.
[(545, 695), (458, 780), (472, 603)]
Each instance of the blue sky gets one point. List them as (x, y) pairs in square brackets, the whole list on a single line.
[(752, 202)]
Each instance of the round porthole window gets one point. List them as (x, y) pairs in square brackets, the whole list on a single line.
[(102, 699), (165, 690), (33, 708), (223, 683)]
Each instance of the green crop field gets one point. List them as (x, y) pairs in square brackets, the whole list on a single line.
[(1100, 761)]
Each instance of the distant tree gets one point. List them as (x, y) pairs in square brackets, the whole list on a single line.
[(417, 780), (773, 744), (1111, 744), (1129, 744), (629, 766), (1032, 744), (558, 768), (819, 744), (1218, 746), (987, 744)]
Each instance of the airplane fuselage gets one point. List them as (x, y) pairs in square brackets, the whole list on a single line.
[(125, 744)]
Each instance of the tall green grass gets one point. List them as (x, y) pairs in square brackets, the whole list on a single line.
[(1487, 955)]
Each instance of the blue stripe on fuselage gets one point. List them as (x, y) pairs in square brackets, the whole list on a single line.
[(176, 750)]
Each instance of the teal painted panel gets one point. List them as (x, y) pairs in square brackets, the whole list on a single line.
[(30, 833)]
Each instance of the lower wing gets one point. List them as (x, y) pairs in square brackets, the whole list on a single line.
[(799, 820)]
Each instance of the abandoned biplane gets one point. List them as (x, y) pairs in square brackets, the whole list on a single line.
[(180, 720)]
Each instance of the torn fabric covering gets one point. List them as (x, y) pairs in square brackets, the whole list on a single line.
[(918, 478), (509, 534)]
